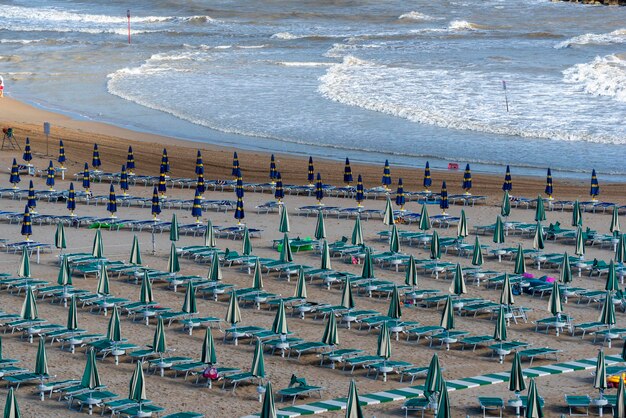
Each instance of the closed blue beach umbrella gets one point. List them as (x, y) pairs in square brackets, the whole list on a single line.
[(239, 212), (273, 171), (162, 185), (165, 162), (595, 186), (199, 163), (400, 199), (443, 200), (467, 179), (112, 203), (239, 192), (14, 178), (71, 200), (319, 191), (359, 196), (386, 180), (124, 181), (549, 189), (311, 173), (50, 172), (28, 155), (428, 181), (196, 208), (32, 198), (200, 185), (61, 160), (279, 192), (507, 186), (95, 158), (347, 173), (27, 228), (86, 179), (130, 161), (235, 165), (156, 204)]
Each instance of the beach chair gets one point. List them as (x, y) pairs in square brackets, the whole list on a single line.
[(298, 386), (531, 353), (184, 415), (578, 402), (306, 347), (416, 404), (413, 372), (236, 379), (475, 340), (491, 404), (339, 356)]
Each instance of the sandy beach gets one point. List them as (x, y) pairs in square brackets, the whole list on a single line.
[(176, 394)]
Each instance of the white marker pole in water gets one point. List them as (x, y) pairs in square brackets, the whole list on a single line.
[(506, 99), (128, 17)]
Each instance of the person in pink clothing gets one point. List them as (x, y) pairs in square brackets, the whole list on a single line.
[(1, 86)]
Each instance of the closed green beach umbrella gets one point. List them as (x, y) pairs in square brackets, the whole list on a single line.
[(555, 306), (268, 410), (410, 277), (91, 377), (443, 410), (435, 248), (72, 319), (388, 218), (145, 294), (607, 315), (320, 227), (11, 408), (620, 250), (367, 272), (533, 407), (580, 242), (172, 262), (395, 309), (135, 254), (24, 267), (300, 291), (498, 231), (279, 326), (215, 272), (103, 281), (209, 235), (233, 314), (506, 296), (286, 256), (283, 225), (384, 342), (174, 236), (394, 241), (41, 361), (331, 336), (540, 211), (457, 287), (325, 265), (137, 388), (520, 262), (159, 343), (461, 230), (353, 406), (505, 208), (611, 284), (208, 355), (577, 214), (257, 278), (59, 237), (424, 224), (447, 315), (246, 246), (29, 307), (565, 271), (257, 369), (615, 228), (357, 232), (97, 248), (619, 410), (347, 300), (477, 253), (538, 242), (516, 377), (114, 330), (500, 332), (189, 302), (434, 379), (599, 381)]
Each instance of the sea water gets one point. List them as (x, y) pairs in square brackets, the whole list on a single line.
[(371, 80)]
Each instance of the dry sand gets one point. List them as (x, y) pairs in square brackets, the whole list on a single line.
[(176, 394)]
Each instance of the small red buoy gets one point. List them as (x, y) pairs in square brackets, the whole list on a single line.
[(453, 166)]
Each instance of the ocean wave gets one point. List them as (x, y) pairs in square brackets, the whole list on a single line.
[(604, 76), (288, 36), (20, 41), (466, 100), (415, 16), (463, 25), (616, 37), (304, 64)]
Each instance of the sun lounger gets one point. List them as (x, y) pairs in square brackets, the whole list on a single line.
[(587, 327), (554, 322), (413, 372), (306, 347), (416, 404), (339, 356), (491, 404), (238, 378), (18, 379), (426, 330), (362, 361), (184, 415), (384, 366), (532, 353), (504, 348), (474, 341), (578, 402), (301, 390)]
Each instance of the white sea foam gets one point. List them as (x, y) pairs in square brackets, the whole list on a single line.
[(462, 25), (20, 41), (286, 36), (466, 100), (304, 64), (616, 37), (415, 16), (604, 76)]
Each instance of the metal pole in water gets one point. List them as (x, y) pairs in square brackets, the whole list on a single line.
[(506, 98), (128, 17)]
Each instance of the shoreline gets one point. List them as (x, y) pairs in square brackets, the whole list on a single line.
[(113, 142)]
